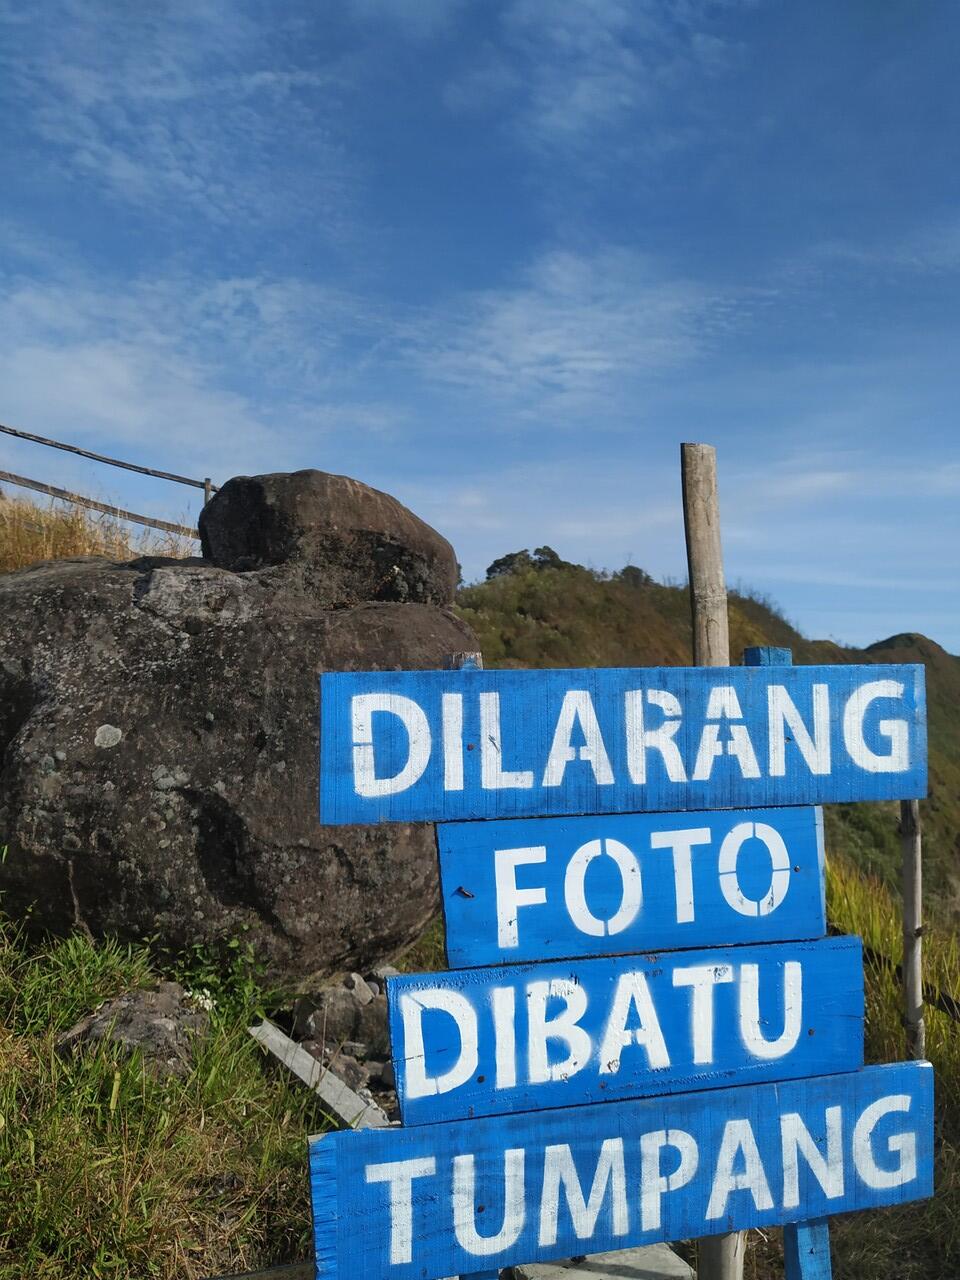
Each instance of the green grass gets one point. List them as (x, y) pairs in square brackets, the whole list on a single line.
[(107, 1171), (919, 1241)]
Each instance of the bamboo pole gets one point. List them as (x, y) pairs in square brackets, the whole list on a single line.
[(102, 457), (911, 846), (64, 495), (719, 1257)]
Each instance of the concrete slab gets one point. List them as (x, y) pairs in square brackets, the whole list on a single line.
[(653, 1262)]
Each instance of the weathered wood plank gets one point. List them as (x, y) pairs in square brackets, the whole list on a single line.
[(476, 1042), (806, 1251), (447, 745), (701, 526), (912, 851), (439, 1200), (344, 1105), (293, 1271), (518, 890)]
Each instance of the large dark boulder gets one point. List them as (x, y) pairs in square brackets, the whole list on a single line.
[(336, 537), (158, 756)]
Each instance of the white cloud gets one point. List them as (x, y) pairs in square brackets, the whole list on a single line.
[(579, 329), (190, 113), (215, 375), (574, 72)]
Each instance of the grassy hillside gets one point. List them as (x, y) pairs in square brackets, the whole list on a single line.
[(107, 1171), (539, 611)]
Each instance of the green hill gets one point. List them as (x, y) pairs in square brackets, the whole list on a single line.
[(536, 610)]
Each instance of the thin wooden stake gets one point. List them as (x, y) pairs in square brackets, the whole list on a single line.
[(910, 842), (719, 1257)]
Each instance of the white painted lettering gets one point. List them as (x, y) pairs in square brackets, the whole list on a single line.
[(413, 1005), (510, 898), (577, 708), (653, 1184), (779, 863), (641, 740), (795, 1138), (493, 777), (632, 992), (574, 884), (559, 1171), (751, 1022), (564, 1026), (464, 1205), (505, 1039), (738, 1137), (723, 702), (782, 715), (681, 843), (897, 759), (903, 1145), (452, 715), (399, 1175), (363, 706), (702, 978)]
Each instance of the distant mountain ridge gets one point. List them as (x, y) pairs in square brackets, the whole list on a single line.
[(537, 610)]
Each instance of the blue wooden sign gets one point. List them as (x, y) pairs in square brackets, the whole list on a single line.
[(398, 746), (475, 1195), (523, 889), (476, 1042)]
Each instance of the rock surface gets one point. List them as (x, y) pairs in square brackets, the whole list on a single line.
[(340, 539), (162, 1024), (158, 737)]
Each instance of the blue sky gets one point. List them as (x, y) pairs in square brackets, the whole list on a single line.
[(499, 257)]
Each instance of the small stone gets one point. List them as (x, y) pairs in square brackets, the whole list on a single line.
[(161, 1024), (356, 1049), (349, 1070), (330, 1016), (60, 755), (373, 1028), (388, 1076), (108, 735), (355, 984)]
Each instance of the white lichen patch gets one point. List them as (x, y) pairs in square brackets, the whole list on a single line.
[(108, 735)]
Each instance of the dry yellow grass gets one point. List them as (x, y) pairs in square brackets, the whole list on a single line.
[(30, 533)]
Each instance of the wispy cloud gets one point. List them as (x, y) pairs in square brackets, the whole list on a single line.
[(416, 19), (228, 372), (578, 330), (566, 73), (176, 110)]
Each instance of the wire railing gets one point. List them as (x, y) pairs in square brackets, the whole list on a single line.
[(65, 495)]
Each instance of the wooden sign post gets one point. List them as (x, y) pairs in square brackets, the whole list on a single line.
[(718, 1257), (604, 1068)]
